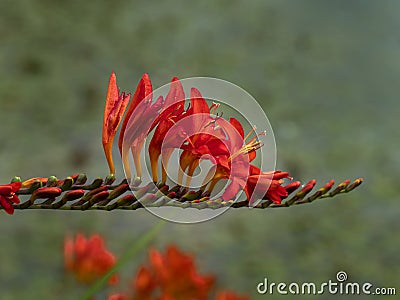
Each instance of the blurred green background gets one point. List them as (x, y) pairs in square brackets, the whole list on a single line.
[(326, 73)]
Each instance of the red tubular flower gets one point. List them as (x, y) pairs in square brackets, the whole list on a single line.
[(137, 124), (88, 259), (266, 185), (174, 110), (203, 139), (115, 107), (234, 164), (8, 196), (228, 295)]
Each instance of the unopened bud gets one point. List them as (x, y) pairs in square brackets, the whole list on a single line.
[(342, 186), (322, 190), (291, 187), (118, 191), (81, 179), (95, 184), (109, 180), (67, 183), (52, 181), (16, 179), (141, 192), (73, 195), (355, 184), (47, 192), (126, 200), (69, 196), (148, 199), (99, 197)]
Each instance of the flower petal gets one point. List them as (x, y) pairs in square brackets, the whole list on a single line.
[(5, 189), (15, 186), (7, 206), (143, 90)]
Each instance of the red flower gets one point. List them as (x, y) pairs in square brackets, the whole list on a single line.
[(137, 124), (115, 107), (8, 196), (197, 131), (173, 275), (234, 162), (118, 297), (198, 136), (174, 110), (177, 275), (265, 185), (228, 295), (144, 284), (88, 259)]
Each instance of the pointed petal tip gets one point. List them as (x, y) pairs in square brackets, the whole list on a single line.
[(146, 77), (195, 93), (113, 79)]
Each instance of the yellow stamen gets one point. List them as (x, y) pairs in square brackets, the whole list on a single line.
[(253, 129)]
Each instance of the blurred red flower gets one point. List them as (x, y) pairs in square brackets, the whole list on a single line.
[(169, 276), (176, 274), (228, 295), (88, 259), (8, 196)]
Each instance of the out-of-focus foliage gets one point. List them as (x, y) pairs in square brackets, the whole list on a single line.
[(326, 73)]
